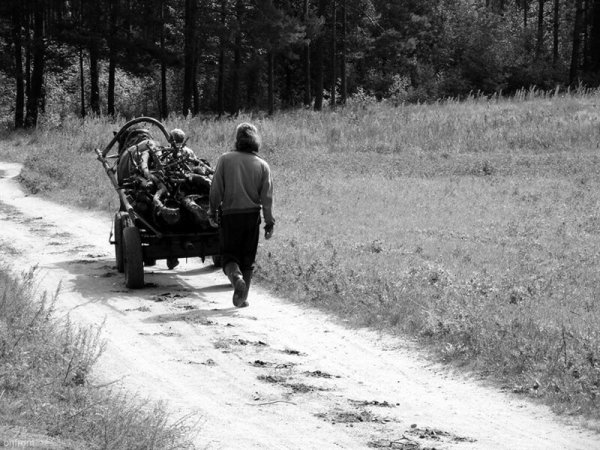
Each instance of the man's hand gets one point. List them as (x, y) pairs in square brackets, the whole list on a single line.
[(269, 231), (213, 222)]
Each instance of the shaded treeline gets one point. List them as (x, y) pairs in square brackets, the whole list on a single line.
[(224, 56)]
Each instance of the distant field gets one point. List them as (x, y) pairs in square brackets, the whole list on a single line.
[(473, 226)]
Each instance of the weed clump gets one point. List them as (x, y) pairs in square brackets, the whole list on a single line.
[(45, 387)]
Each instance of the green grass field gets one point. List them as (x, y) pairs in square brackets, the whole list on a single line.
[(472, 227)]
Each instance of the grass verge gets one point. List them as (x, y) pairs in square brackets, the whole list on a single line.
[(470, 226), (46, 398)]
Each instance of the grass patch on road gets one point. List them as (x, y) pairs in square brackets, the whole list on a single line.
[(472, 226), (46, 397)]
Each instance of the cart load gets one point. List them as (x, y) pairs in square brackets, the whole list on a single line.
[(163, 193), (169, 186)]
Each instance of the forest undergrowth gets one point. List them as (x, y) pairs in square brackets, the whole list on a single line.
[(472, 227)]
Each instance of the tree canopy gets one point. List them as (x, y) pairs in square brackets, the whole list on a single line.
[(132, 57)]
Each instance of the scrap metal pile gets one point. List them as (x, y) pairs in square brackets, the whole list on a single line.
[(167, 185)]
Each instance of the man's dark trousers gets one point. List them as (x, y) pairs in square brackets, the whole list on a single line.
[(239, 234)]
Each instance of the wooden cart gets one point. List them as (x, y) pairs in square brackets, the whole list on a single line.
[(137, 241)]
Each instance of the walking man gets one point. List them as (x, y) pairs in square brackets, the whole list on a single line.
[(241, 186)]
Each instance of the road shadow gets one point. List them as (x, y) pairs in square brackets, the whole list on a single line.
[(98, 281), (208, 268), (216, 288), (195, 315)]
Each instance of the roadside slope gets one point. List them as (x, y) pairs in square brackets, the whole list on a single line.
[(274, 375)]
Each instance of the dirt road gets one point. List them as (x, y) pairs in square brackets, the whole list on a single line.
[(271, 376)]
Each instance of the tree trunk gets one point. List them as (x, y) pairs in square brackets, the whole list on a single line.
[(540, 30), (307, 93), (221, 83), (189, 73), (195, 90), (164, 103), (556, 30), (343, 81), (164, 100), (253, 74), (333, 99), (318, 105), (111, 85), (586, 37), (93, 20), (221, 68), (28, 53), (594, 47), (525, 12), (237, 60), (237, 68), (271, 82), (37, 73), (289, 95), (319, 59), (112, 57), (19, 75), (83, 111), (575, 54), (82, 83), (94, 76)]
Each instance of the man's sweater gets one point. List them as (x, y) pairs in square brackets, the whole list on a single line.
[(242, 183)]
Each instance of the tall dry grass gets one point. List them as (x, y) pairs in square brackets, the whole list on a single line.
[(472, 226), (46, 388)]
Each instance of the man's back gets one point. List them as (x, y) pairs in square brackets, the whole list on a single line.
[(242, 182)]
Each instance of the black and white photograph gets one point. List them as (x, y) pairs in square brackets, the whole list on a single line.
[(300, 224)]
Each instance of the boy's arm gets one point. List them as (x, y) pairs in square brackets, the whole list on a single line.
[(266, 197)]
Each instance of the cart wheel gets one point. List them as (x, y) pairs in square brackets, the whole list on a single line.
[(120, 223), (133, 259), (217, 260)]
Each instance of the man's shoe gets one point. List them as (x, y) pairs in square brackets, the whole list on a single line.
[(172, 263), (239, 293)]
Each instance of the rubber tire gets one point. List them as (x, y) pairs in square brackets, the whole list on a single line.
[(217, 260), (134, 262), (121, 219)]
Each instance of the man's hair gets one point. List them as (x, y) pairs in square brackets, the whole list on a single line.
[(247, 138)]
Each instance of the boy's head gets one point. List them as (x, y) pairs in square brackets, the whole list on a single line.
[(247, 138)]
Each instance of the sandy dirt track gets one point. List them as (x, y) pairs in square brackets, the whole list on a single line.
[(271, 376)]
